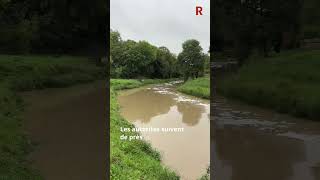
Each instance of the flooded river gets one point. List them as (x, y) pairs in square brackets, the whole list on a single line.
[(249, 143), (160, 106), (68, 124)]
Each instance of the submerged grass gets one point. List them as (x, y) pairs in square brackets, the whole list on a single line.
[(132, 159), (288, 83), (21, 73), (199, 87)]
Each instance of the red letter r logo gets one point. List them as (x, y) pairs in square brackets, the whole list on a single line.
[(198, 10)]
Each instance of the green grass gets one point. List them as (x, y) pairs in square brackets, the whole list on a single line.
[(288, 83), (120, 84), (132, 159), (21, 73), (199, 87), (36, 72)]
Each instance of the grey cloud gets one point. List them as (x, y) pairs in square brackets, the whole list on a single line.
[(162, 22)]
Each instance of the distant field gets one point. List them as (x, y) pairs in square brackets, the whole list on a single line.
[(287, 82)]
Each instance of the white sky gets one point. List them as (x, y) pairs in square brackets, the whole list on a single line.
[(162, 22)]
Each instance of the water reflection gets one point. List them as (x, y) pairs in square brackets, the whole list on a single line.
[(257, 156), (191, 114), (147, 103), (250, 143)]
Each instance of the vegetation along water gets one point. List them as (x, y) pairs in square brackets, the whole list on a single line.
[(137, 158), (22, 73), (286, 82)]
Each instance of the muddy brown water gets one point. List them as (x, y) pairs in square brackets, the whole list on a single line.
[(160, 106), (68, 124), (250, 143)]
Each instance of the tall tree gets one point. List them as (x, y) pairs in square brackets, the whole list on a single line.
[(191, 59)]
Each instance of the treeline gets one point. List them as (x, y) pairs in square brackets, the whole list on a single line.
[(265, 25), (131, 59), (53, 26), (310, 19)]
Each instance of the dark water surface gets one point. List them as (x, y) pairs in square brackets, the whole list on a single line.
[(249, 143), (160, 106), (68, 124)]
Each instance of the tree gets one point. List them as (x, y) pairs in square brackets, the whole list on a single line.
[(191, 59), (244, 25), (54, 27), (206, 63), (164, 64), (116, 50), (137, 59), (130, 59)]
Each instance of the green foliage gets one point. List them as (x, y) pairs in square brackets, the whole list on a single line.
[(310, 20), (19, 73), (287, 82), (120, 84), (138, 60), (17, 38), (191, 59), (199, 87), (130, 59), (132, 159), (53, 26), (13, 144), (207, 64), (311, 31), (265, 25), (36, 72)]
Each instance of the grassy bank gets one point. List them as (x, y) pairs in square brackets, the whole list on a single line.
[(21, 73), (132, 159), (287, 82), (120, 84), (199, 87)]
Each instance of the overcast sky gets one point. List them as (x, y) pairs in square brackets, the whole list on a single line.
[(162, 22)]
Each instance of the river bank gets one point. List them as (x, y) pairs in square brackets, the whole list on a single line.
[(286, 82), (248, 141), (23, 73), (137, 158), (160, 106), (199, 87)]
